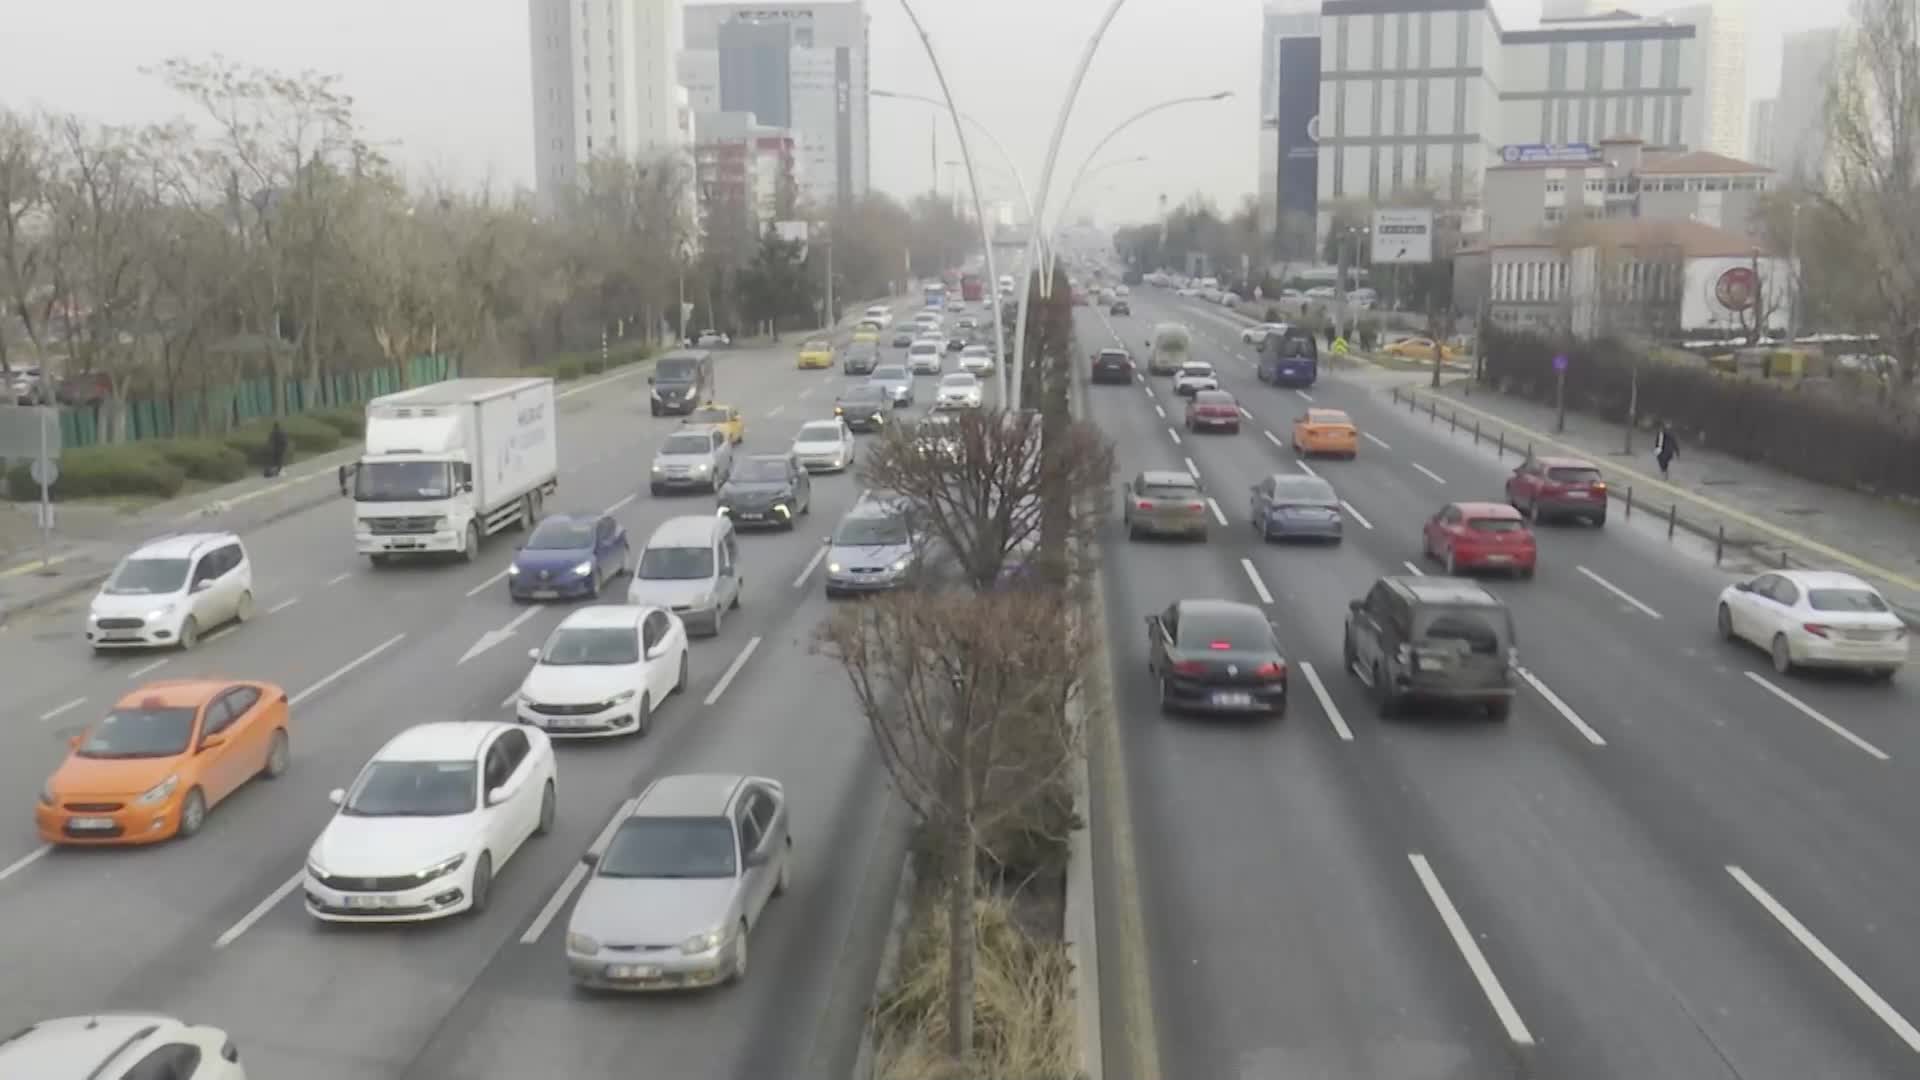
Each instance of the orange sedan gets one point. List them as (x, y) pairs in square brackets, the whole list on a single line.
[(167, 753), (1325, 431)]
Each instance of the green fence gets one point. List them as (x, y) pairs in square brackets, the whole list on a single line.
[(230, 406)]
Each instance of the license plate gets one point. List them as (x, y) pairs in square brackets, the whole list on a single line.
[(1863, 635), (752, 517), (121, 635), (571, 722), (1499, 558), (546, 594), (90, 824), (370, 902), (632, 971), (1226, 699)]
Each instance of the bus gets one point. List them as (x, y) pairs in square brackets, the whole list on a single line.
[(971, 288), (936, 294)]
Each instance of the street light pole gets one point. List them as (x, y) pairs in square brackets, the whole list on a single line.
[(1006, 159), (973, 181)]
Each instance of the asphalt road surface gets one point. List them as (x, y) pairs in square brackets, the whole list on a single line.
[(1670, 862), (213, 929)]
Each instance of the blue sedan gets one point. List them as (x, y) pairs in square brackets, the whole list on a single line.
[(1288, 506), (569, 556)]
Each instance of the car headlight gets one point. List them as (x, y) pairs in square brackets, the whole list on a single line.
[(512, 569), (160, 791), (833, 568), (658, 468), (441, 868), (781, 509), (159, 613), (582, 945), (584, 568), (700, 943), (314, 869), (901, 564), (621, 698), (701, 467)]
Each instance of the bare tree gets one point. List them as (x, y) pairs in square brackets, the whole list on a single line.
[(965, 695), (24, 180)]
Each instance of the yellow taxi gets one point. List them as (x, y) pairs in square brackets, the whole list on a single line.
[(816, 353), (1417, 348), (867, 331), (725, 417), (1326, 431)]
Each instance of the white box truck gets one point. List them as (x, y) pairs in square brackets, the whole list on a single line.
[(450, 463)]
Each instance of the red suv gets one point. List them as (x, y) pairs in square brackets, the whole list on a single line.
[(1480, 536), (1558, 487)]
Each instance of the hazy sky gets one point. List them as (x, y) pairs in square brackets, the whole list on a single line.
[(445, 82)]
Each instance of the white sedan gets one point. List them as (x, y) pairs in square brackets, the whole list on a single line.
[(1257, 335), (603, 671), (976, 360), (430, 821), (824, 445), (1815, 618), (959, 390), (1193, 377)]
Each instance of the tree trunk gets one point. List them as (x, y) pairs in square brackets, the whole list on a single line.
[(961, 882)]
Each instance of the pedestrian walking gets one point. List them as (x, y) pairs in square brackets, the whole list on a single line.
[(276, 450), (1665, 448)]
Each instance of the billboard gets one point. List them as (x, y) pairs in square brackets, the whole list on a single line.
[(1402, 236), (1297, 116), (1544, 154)]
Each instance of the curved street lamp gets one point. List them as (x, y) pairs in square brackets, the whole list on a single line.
[(1006, 159)]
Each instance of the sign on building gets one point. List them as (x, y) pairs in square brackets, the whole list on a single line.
[(1297, 123), (1402, 236), (793, 232), (1548, 154)]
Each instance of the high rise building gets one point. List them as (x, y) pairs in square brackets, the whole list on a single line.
[(1760, 131), (1574, 9), (604, 83), (1717, 113), (1283, 19), (801, 66), (1807, 62)]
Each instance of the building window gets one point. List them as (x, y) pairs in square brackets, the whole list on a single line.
[(1670, 64), (1556, 67)]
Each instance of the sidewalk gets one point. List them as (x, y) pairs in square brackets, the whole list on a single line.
[(91, 538), (1777, 518)]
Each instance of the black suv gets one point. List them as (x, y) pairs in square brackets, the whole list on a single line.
[(1112, 366), (859, 359), (1438, 640)]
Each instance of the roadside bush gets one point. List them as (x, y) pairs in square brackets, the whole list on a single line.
[(309, 435), (209, 460), (350, 421), (117, 469), (1849, 443), (566, 370), (594, 365)]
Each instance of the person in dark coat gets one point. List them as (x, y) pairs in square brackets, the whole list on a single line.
[(1665, 448), (276, 449)]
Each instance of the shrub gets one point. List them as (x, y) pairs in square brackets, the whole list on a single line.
[(309, 435), (115, 469), (349, 420), (594, 365), (203, 459), (566, 370)]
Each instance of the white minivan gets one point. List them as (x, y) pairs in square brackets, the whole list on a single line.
[(172, 591), (879, 313), (691, 567)]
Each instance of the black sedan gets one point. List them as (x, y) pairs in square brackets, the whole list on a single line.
[(859, 359), (1120, 307), (959, 341), (864, 407), (1113, 366), (1216, 656), (766, 489)]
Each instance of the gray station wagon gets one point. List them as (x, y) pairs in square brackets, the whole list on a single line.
[(1433, 640)]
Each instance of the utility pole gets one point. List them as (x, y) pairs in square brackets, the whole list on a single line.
[(833, 318)]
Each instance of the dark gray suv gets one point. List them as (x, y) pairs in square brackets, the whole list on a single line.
[(1432, 640)]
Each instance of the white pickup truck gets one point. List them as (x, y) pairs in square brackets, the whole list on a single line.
[(448, 464)]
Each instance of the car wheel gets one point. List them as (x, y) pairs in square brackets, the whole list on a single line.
[(279, 757), (377, 559), (472, 550), (547, 806), (643, 717), (1725, 622), (626, 561), (680, 683), (1133, 531), (1599, 521), (1883, 675), (1782, 655), (189, 633), (785, 880), (593, 584), (1166, 697), (1383, 702), (1525, 573), (244, 609), (481, 888), (1348, 657), (193, 814)]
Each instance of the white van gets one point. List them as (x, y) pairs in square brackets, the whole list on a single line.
[(923, 357), (879, 313), (691, 566), (171, 591)]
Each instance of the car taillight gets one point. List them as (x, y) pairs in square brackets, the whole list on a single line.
[(1189, 667), (1202, 506), (1816, 629), (1143, 505), (1270, 670), (1220, 646), (1597, 485)]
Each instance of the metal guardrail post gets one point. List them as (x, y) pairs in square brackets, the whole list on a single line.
[(1453, 421), (1476, 433), (1500, 450), (1629, 500), (1719, 544), (1673, 518)]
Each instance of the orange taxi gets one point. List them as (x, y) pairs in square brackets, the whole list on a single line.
[(167, 753), (1326, 431)]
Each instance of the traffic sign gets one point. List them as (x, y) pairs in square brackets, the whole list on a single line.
[(1560, 362), (45, 471)]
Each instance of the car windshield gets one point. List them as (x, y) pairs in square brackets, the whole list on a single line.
[(1478, 630), (413, 789), (140, 733), (708, 415), (1302, 489), (924, 348), (871, 532), (1328, 416), (675, 564), (818, 433), (959, 379), (590, 646), (1196, 369), (1495, 525), (147, 577), (1224, 632), (974, 350), (672, 369), (1112, 354), (816, 345), (687, 443), (561, 534), (761, 471), (890, 373), (402, 481), (1213, 397), (1855, 600), (1572, 475), (1170, 491), (671, 848)]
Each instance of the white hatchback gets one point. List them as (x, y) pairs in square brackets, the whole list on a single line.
[(430, 821), (172, 591), (959, 390), (824, 446), (1815, 618), (976, 360), (603, 671), (1193, 377), (120, 1046)]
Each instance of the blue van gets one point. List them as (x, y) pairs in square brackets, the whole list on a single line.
[(1290, 357)]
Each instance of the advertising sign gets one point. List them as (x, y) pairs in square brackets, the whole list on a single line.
[(1736, 288), (1297, 116), (1402, 236), (1545, 154)]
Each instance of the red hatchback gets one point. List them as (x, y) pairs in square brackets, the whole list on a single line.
[(1558, 487), (1480, 535)]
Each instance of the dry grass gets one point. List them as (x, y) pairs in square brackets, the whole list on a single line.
[(1024, 1024)]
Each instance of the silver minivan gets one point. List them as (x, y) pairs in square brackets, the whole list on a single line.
[(690, 566)]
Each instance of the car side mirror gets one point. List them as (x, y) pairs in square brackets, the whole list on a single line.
[(756, 857), (497, 796), (212, 742), (202, 585), (74, 742), (649, 380), (591, 858), (1356, 606), (337, 796), (533, 654), (1745, 586)]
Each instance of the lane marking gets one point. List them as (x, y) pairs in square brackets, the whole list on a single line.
[(807, 393), (1245, 413), (1376, 440), (1561, 707), (509, 701), (1192, 469), (1339, 722), (1308, 469), (1174, 435), (43, 564), (347, 668), (25, 861), (487, 584), (1147, 389), (232, 933), (1470, 951), (492, 638), (66, 708), (538, 928), (1414, 570), (283, 605), (1160, 412), (1355, 514), (1816, 715), (338, 578), (1304, 396), (812, 565), (776, 411), (145, 669), (1217, 514), (1274, 439), (726, 678), (622, 504), (1828, 959), (1428, 473), (1253, 576), (1617, 591)]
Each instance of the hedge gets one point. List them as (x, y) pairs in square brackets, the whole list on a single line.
[(111, 469), (1848, 443), (203, 459), (306, 435)]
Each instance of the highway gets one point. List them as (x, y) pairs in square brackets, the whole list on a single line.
[(1669, 862), (213, 929)]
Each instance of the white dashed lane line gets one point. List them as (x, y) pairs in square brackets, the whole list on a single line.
[(1259, 586), (1355, 514), (1192, 469), (1428, 473), (1819, 717), (1339, 722), (812, 564), (61, 710), (338, 578), (1376, 440), (1617, 591), (1308, 469), (1274, 439), (1566, 711), (1414, 570), (733, 669), (1304, 396), (1469, 947), (1217, 515), (1174, 435), (1160, 412)]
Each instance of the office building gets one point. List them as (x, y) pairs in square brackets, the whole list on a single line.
[(604, 84), (1760, 132), (1551, 10), (1622, 179), (745, 172), (1808, 60), (798, 66), (1580, 81), (1283, 20), (1717, 111)]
